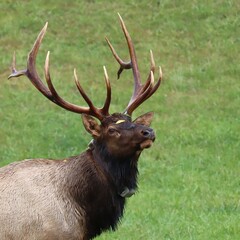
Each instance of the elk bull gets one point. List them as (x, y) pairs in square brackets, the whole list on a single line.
[(81, 196)]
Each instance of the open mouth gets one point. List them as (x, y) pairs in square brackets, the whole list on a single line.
[(146, 144)]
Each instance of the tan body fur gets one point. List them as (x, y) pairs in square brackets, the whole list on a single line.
[(34, 204)]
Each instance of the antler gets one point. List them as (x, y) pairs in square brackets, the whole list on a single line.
[(141, 91), (51, 92)]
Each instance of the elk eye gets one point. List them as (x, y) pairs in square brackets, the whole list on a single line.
[(113, 131)]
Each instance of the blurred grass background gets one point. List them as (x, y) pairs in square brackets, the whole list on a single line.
[(189, 184)]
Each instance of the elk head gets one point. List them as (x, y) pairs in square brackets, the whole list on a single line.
[(120, 135)]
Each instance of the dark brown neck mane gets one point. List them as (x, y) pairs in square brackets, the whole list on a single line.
[(121, 171)]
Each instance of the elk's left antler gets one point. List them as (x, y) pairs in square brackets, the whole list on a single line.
[(141, 91)]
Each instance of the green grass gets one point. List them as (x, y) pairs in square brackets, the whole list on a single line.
[(189, 183)]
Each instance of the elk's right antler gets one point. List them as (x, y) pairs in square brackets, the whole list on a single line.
[(51, 92), (141, 92)]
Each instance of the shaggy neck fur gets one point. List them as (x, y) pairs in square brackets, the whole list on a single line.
[(123, 172)]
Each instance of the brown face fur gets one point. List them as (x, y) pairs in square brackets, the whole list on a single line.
[(121, 136)]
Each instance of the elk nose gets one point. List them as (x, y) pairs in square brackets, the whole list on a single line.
[(148, 133)]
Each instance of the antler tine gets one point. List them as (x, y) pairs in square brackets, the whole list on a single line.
[(141, 96), (16, 73), (30, 72), (152, 62), (104, 111), (14, 63), (133, 62), (108, 98), (156, 86), (149, 91), (82, 92), (123, 65), (152, 69), (55, 96), (92, 110)]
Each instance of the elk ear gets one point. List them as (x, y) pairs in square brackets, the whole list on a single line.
[(145, 119), (91, 125)]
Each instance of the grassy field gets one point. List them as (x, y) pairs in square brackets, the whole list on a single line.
[(189, 185)]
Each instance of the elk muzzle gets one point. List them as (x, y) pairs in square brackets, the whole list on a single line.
[(149, 137)]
